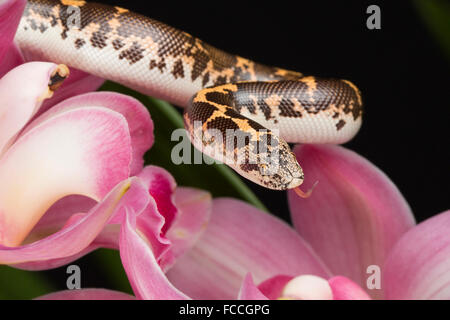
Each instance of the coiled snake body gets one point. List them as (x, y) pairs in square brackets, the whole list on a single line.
[(220, 91)]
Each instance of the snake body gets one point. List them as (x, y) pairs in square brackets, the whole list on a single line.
[(221, 91)]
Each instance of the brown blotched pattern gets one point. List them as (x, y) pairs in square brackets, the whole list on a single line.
[(221, 108), (235, 93), (135, 36)]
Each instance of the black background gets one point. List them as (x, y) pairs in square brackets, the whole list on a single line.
[(400, 69)]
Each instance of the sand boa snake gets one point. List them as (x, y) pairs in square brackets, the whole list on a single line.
[(220, 91)]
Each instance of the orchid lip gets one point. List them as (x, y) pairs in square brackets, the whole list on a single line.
[(307, 287)]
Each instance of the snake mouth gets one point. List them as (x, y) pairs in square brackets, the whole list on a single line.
[(294, 183), (296, 179)]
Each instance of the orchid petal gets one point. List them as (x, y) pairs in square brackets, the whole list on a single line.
[(194, 211), (418, 267), (52, 263), (74, 237), (241, 239), (107, 238), (249, 291), (10, 14), (151, 221), (86, 150), (161, 186), (87, 294), (354, 216), (12, 58), (17, 105), (136, 198), (58, 215), (78, 83), (144, 273), (137, 116), (345, 289)]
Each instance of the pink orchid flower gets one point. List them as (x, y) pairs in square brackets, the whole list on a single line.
[(68, 164), (357, 218), (66, 170), (69, 192)]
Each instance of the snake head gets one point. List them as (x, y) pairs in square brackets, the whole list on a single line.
[(277, 168), (287, 173), (289, 168)]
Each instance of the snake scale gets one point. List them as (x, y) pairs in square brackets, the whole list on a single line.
[(221, 92)]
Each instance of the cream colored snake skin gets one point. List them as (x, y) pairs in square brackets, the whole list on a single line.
[(220, 91)]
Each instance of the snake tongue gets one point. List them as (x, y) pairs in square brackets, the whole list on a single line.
[(307, 194)]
